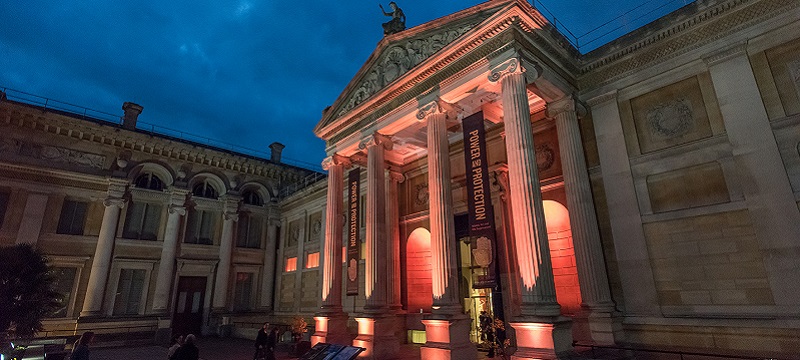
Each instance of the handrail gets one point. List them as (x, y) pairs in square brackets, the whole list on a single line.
[(91, 114), (672, 352)]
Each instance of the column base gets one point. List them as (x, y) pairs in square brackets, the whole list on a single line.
[(605, 328), (376, 334), (447, 337), (331, 329), (543, 338), (164, 331)]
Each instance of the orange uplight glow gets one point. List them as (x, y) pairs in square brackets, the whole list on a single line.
[(312, 260), (419, 271), (291, 264), (562, 256)]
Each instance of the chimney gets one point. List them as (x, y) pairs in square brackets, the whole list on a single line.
[(132, 112), (276, 148)]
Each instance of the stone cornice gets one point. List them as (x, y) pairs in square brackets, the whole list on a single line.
[(109, 135), (659, 45)]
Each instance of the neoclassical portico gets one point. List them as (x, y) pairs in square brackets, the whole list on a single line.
[(498, 67)]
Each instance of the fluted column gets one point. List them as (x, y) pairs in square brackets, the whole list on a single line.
[(540, 331), (229, 215), (393, 217), (176, 210), (270, 257), (447, 329), (101, 262), (377, 263), (331, 322), (530, 231), (377, 327), (594, 287)]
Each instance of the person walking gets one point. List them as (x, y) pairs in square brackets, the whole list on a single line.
[(81, 349), (261, 341), (187, 351)]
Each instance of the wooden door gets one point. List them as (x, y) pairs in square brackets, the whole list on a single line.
[(188, 315)]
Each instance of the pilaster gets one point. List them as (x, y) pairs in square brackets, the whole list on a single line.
[(230, 215)]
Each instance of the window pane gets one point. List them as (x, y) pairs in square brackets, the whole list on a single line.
[(207, 227), (129, 291), (73, 215), (312, 260), (133, 221), (3, 205), (192, 226), (64, 278), (181, 302), (242, 231), (254, 235), (195, 302), (244, 285), (291, 264), (152, 220)]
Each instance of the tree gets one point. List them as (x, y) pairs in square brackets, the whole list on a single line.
[(26, 291)]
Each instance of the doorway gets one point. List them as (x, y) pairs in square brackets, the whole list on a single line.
[(188, 315)]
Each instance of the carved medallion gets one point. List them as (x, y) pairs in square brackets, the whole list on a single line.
[(671, 119), (421, 194), (316, 228), (545, 157)]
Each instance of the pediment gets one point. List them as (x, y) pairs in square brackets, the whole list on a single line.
[(398, 54)]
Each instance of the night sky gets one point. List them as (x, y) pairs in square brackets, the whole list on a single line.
[(246, 72)]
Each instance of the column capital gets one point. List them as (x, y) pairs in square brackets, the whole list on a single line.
[(730, 52), (508, 67), (376, 139), (335, 160), (114, 201), (567, 103), (176, 209), (230, 206), (274, 222), (396, 176), (439, 106)]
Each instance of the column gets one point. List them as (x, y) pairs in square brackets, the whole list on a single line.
[(101, 262), (376, 328), (331, 321), (765, 183), (541, 333), (270, 256), (176, 209), (229, 215), (393, 217), (595, 291), (447, 329)]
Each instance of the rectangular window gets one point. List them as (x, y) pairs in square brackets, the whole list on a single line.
[(249, 232), (63, 280), (73, 216), (142, 221), (129, 291), (312, 260), (243, 291), (4, 196), (291, 264), (200, 227)]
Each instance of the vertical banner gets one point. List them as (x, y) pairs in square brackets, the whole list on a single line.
[(481, 216), (353, 229)]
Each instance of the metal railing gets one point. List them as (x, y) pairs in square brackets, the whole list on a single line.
[(309, 180), (681, 355), (104, 117)]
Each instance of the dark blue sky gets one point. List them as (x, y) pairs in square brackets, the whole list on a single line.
[(246, 72)]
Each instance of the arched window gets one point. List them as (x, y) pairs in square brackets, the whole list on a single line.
[(149, 181), (205, 190), (251, 197)]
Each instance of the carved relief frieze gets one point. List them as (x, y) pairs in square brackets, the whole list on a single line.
[(421, 194), (670, 119), (398, 59), (52, 153)]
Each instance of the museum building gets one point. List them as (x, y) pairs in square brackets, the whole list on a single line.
[(645, 193), (151, 234)]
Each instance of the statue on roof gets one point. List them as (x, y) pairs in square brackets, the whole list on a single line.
[(398, 22)]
